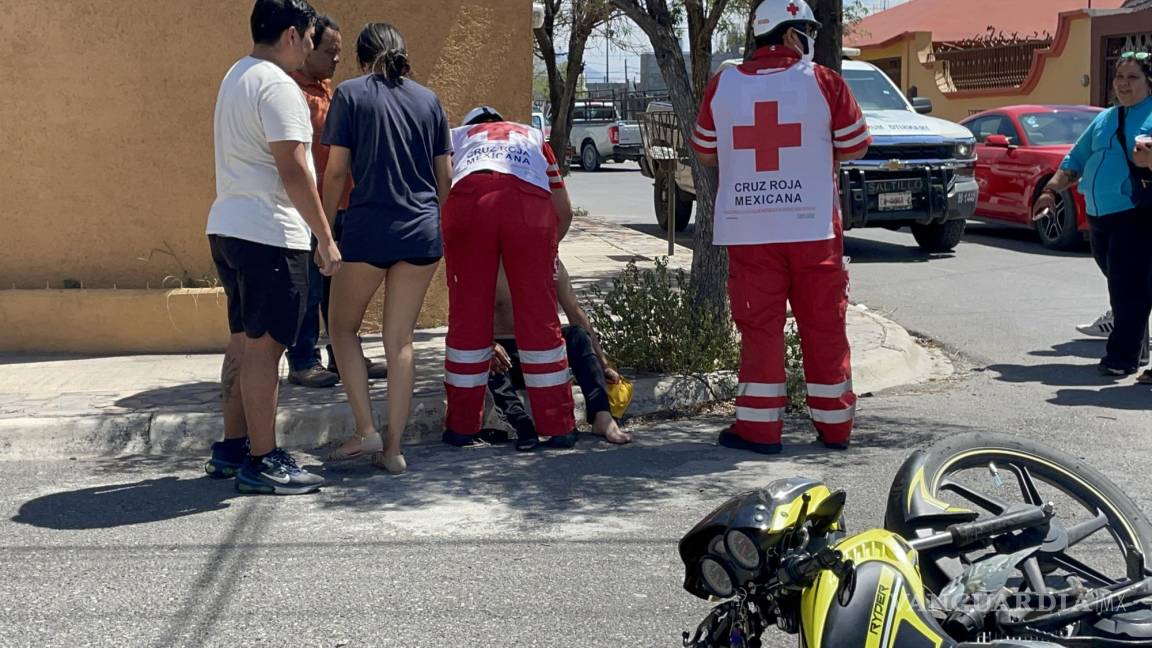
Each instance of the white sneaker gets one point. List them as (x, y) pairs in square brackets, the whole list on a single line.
[(1101, 328)]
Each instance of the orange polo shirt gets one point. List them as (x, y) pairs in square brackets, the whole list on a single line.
[(318, 94)]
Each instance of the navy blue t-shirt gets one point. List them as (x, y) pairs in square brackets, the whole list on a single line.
[(394, 131)]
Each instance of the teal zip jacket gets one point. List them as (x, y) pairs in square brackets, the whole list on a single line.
[(1099, 160)]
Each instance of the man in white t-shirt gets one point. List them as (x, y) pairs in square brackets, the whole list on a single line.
[(266, 209)]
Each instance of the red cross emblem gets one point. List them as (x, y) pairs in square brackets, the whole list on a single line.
[(793, 9), (767, 136), (498, 131)]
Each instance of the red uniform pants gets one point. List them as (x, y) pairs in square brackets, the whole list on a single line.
[(762, 280), (489, 219)]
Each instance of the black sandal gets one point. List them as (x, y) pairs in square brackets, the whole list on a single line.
[(1145, 378)]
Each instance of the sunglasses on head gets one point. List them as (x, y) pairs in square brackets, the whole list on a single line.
[(1136, 56)]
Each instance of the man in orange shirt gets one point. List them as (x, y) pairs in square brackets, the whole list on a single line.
[(315, 79)]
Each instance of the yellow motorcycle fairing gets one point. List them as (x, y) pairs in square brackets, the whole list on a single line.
[(885, 609)]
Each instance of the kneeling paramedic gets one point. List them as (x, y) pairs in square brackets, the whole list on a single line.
[(508, 205), (777, 126)]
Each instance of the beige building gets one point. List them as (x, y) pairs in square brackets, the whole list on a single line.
[(995, 53), (108, 164)]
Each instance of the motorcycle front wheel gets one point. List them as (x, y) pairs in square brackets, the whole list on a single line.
[(988, 474)]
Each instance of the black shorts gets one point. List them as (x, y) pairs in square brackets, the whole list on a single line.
[(416, 261), (267, 287)]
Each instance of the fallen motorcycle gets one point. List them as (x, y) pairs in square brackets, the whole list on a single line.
[(987, 541)]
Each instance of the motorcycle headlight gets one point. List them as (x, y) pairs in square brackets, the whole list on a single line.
[(742, 549), (964, 150), (717, 577)]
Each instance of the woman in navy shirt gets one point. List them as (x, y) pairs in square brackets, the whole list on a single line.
[(1121, 232), (391, 135)]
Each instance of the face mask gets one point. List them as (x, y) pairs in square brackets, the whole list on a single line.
[(809, 47)]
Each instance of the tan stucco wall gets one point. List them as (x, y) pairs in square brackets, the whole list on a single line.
[(1059, 82), (107, 117), (113, 321)]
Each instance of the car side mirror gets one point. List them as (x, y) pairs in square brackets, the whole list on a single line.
[(999, 141), (922, 105)]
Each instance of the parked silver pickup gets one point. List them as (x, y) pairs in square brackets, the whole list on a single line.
[(598, 135)]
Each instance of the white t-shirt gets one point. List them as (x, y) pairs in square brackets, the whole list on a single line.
[(258, 103)]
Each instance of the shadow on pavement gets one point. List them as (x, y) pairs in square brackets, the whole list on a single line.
[(205, 395), (686, 238), (872, 251), (595, 481), (126, 504), (1055, 374), (598, 481), (1085, 348), (1130, 396), (1015, 239)]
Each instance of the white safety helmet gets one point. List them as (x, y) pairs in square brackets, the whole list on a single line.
[(476, 114), (771, 14)]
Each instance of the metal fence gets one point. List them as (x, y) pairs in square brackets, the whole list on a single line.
[(629, 104), (992, 67)]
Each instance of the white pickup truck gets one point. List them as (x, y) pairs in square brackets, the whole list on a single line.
[(598, 135)]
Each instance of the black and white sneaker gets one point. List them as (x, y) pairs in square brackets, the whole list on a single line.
[(1101, 328), (276, 473)]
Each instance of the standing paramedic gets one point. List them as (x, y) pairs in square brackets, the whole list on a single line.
[(508, 205), (776, 127)]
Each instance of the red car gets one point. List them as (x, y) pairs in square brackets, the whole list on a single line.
[(1018, 148)]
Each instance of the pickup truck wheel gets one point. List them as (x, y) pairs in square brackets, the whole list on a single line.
[(939, 237), (589, 158), (1060, 231), (684, 201)]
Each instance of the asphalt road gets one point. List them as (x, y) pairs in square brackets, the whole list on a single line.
[(1000, 298), (572, 548)]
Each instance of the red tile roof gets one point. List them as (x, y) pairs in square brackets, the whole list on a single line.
[(949, 20)]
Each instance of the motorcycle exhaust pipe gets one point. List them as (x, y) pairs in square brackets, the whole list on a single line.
[(962, 535)]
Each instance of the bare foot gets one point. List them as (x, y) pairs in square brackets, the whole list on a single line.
[(606, 426)]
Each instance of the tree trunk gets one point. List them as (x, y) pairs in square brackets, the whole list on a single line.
[(709, 262), (829, 46), (700, 49)]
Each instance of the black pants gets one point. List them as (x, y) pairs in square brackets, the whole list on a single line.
[(1122, 247), (585, 368), (304, 354)]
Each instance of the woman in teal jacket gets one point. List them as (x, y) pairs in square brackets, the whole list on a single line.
[(1121, 233)]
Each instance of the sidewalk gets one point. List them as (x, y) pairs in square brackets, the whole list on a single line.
[(54, 406)]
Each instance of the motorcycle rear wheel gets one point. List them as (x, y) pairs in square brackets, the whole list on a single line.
[(1030, 473)]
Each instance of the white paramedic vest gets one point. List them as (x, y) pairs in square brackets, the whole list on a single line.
[(504, 147), (777, 169)]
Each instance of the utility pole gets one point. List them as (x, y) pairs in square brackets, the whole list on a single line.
[(607, 48)]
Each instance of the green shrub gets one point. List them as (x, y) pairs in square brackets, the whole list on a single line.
[(794, 366), (648, 321)]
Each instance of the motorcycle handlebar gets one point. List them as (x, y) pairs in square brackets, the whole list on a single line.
[(799, 571), (961, 535)]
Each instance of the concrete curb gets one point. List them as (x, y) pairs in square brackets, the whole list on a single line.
[(300, 428), (892, 358)]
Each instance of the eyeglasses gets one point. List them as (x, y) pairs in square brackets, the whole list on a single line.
[(1138, 56)]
